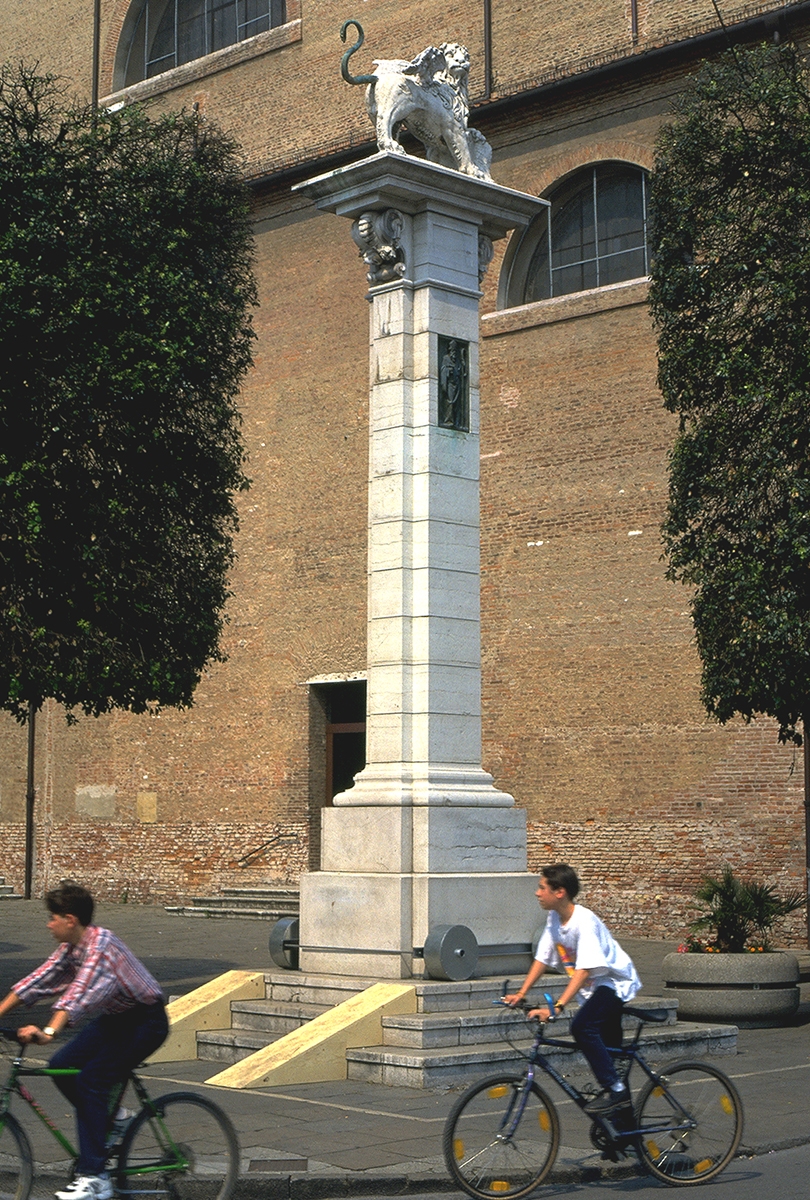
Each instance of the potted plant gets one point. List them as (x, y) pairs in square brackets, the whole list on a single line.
[(726, 969)]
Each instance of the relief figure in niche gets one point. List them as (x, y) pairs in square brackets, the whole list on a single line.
[(454, 384)]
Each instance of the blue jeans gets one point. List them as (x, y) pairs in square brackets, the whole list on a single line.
[(106, 1049), (598, 1024)]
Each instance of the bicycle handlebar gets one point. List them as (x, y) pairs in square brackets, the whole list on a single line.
[(524, 1006)]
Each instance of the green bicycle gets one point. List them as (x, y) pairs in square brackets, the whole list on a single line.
[(180, 1146)]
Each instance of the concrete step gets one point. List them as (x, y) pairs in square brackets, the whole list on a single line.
[(429, 1031), (7, 891), (457, 1017), (272, 1017), (221, 913), (271, 894), (260, 903), (431, 995), (228, 1046), (449, 1066), (323, 990), (272, 904)]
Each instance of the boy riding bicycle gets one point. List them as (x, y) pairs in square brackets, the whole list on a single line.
[(599, 971), (93, 974)]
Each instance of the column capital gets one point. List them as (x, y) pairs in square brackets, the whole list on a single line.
[(414, 186)]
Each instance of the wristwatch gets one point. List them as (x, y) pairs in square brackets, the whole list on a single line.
[(49, 1031), (559, 1007)]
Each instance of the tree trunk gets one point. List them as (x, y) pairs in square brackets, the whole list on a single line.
[(806, 749)]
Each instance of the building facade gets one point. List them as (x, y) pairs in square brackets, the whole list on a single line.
[(591, 715)]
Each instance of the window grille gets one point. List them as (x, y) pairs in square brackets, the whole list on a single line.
[(594, 235), (169, 33)]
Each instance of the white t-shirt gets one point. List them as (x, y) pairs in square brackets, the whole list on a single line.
[(585, 943)]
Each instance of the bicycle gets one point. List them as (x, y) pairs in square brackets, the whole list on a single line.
[(176, 1146), (503, 1133)]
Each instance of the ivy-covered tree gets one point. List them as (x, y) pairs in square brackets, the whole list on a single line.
[(730, 296), (125, 298), (730, 200)]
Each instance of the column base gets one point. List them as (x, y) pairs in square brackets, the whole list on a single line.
[(421, 785), (402, 838), (371, 924)]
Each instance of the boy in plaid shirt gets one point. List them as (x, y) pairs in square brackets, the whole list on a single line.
[(91, 974)]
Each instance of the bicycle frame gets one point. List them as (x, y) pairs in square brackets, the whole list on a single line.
[(179, 1160), (537, 1059), (14, 1086)]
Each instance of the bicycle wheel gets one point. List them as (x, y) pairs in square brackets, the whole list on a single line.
[(186, 1150), (691, 1127), (16, 1160), (484, 1155)]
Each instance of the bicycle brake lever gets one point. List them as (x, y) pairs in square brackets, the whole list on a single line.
[(552, 1013)]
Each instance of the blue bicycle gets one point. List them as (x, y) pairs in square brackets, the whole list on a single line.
[(502, 1135)]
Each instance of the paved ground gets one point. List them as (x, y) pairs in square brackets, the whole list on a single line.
[(347, 1138)]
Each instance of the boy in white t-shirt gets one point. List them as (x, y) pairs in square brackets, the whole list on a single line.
[(600, 974)]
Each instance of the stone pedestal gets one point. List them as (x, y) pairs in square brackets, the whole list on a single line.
[(423, 838)]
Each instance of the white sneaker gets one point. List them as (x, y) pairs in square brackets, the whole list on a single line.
[(87, 1187)]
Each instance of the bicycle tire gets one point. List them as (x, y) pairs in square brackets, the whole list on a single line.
[(483, 1163), (187, 1125), (681, 1154), (16, 1160)]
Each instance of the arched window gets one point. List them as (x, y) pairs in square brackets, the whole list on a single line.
[(168, 33), (594, 234)]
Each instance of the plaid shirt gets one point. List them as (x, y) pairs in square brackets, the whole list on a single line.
[(100, 975)]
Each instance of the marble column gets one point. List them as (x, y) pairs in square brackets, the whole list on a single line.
[(423, 838)]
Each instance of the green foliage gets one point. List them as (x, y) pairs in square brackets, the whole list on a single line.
[(737, 912), (730, 197), (125, 294)]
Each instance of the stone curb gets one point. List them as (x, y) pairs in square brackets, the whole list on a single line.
[(322, 1187), (303, 1186)]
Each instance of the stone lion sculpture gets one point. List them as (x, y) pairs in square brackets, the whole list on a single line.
[(428, 97)]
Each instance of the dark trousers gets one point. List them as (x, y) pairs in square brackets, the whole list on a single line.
[(598, 1024), (106, 1050)]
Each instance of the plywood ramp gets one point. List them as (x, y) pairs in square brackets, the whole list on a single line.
[(317, 1051)]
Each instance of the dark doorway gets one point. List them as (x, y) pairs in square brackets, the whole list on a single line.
[(337, 747), (345, 735)]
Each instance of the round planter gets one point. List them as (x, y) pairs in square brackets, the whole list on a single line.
[(752, 990)]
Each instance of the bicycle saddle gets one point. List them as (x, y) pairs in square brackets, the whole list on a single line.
[(658, 1015)]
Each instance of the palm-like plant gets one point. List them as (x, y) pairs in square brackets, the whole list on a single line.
[(738, 911)]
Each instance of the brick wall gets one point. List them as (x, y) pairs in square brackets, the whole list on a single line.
[(590, 680), (147, 864)]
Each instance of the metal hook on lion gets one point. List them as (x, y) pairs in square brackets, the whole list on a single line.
[(344, 62)]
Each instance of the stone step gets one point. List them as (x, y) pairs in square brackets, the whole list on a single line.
[(293, 1000), (323, 990), (271, 894), (274, 903), (431, 1030), (425, 1030), (7, 891), (449, 1066), (431, 995), (240, 914), (231, 1045), (273, 1017), (259, 903), (227, 904)]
